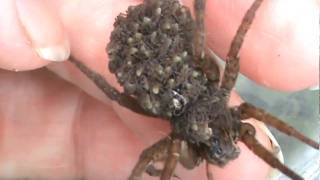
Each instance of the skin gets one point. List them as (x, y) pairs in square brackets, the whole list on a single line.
[(50, 128)]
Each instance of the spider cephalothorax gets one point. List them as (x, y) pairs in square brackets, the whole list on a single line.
[(157, 52), (209, 124)]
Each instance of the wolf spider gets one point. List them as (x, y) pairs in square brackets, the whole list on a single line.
[(157, 52)]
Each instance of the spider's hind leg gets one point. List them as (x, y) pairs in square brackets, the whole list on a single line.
[(232, 62), (208, 172), (156, 152), (153, 171), (247, 134), (167, 150), (172, 160)]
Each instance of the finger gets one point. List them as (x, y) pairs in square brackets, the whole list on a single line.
[(281, 48), (48, 133), (89, 24), (89, 49), (30, 33), (36, 125), (147, 129), (68, 135), (106, 147)]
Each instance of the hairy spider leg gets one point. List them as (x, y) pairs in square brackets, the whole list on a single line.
[(232, 62), (247, 136), (153, 171), (172, 160), (111, 92), (203, 56), (167, 150), (157, 152), (199, 48), (208, 172), (210, 66), (246, 110)]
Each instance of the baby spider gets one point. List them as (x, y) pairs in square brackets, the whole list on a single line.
[(157, 52)]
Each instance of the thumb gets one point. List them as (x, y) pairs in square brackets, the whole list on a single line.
[(30, 33)]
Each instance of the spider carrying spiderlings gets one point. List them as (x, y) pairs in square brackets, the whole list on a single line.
[(157, 52)]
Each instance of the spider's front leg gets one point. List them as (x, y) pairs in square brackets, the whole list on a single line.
[(209, 64), (167, 150), (122, 99), (199, 8), (232, 62), (246, 110), (205, 59)]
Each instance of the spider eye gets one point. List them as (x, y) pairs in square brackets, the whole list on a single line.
[(215, 149), (215, 141), (215, 152), (218, 152)]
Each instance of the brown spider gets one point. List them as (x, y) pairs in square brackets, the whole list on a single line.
[(158, 54)]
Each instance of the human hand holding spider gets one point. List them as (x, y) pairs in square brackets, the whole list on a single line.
[(86, 49)]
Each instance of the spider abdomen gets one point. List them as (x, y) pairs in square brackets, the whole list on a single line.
[(151, 53)]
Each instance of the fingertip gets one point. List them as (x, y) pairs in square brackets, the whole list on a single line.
[(44, 30), (281, 51), (30, 34), (89, 25)]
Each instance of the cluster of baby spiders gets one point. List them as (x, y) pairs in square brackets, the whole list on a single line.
[(157, 52)]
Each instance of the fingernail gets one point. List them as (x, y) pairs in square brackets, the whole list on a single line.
[(44, 30)]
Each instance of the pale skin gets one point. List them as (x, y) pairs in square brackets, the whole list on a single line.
[(50, 128)]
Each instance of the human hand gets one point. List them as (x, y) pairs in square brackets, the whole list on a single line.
[(73, 135)]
